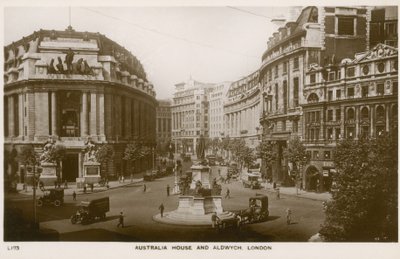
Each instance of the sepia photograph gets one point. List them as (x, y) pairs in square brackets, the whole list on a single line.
[(169, 126)]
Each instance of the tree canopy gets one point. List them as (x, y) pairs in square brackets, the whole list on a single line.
[(364, 192)]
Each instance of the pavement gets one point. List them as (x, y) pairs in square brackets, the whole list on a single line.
[(291, 191), (72, 187)]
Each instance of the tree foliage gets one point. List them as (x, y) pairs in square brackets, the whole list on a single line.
[(27, 156), (268, 155), (135, 151), (103, 155), (364, 193), (296, 154)]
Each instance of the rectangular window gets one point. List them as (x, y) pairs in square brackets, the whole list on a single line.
[(315, 154), (276, 97), (296, 91), (295, 126), (338, 94), (317, 116), (338, 115), (269, 75), (350, 92), (330, 133), (331, 76), (330, 115), (337, 133), (395, 88), (351, 72), (312, 78), (345, 25), (276, 71), (327, 154), (296, 63), (330, 95), (380, 89), (284, 67), (364, 91), (283, 125)]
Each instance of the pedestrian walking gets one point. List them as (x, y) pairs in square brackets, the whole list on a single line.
[(214, 219), (55, 184), (121, 220), (288, 216), (278, 194), (91, 187), (65, 184), (84, 188), (168, 190), (228, 192), (161, 208), (123, 179), (144, 187), (74, 196), (131, 177)]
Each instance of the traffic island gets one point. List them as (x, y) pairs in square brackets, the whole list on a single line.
[(198, 201)]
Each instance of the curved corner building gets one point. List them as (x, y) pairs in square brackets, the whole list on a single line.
[(73, 86)]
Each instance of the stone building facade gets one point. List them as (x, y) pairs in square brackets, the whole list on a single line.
[(320, 35), (217, 99), (242, 110), (163, 125), (73, 87), (354, 99), (190, 111)]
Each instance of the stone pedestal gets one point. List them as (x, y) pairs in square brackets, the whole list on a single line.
[(200, 173), (91, 172), (49, 174)]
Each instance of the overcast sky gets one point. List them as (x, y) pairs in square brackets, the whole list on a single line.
[(210, 44)]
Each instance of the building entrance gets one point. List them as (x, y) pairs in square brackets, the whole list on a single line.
[(70, 167), (312, 179)]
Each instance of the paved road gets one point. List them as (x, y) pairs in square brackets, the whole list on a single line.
[(139, 207)]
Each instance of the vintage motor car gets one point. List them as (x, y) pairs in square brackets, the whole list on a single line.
[(91, 210), (250, 180), (257, 211), (51, 196)]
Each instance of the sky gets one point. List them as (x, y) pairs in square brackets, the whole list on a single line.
[(208, 44)]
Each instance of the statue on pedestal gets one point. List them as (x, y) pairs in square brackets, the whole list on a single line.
[(90, 151), (48, 149)]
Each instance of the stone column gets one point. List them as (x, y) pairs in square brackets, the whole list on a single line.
[(372, 109), (93, 113), (84, 129), (101, 115), (53, 114), (11, 116), (21, 114), (357, 121), (387, 109)]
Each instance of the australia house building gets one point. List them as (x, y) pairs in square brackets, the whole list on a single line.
[(319, 35), (354, 99), (242, 110), (74, 87)]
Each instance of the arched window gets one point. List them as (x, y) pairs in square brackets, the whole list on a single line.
[(312, 98), (380, 113), (364, 113), (350, 114)]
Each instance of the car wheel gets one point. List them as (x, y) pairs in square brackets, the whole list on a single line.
[(57, 203), (39, 203), (73, 220)]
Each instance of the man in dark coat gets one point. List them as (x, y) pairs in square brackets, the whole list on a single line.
[(161, 208), (168, 190)]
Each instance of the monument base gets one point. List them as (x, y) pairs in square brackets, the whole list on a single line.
[(48, 175), (91, 172)]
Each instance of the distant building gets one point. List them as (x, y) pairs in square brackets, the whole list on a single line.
[(163, 125), (190, 111), (73, 87), (242, 110), (216, 101), (354, 99)]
